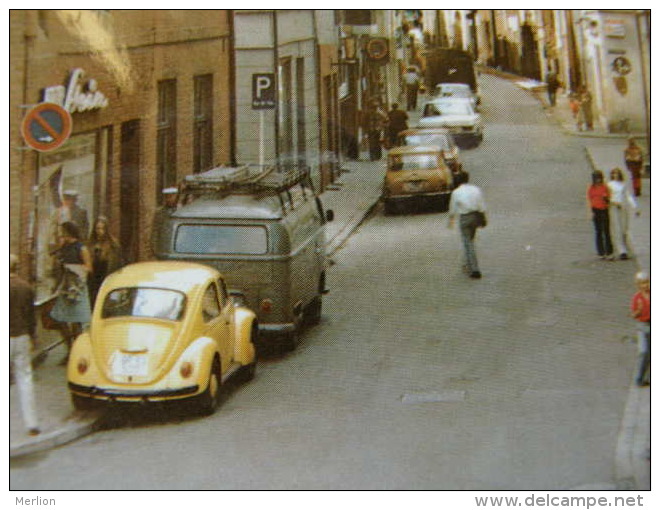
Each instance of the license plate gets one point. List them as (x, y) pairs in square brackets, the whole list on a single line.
[(413, 186), (129, 364)]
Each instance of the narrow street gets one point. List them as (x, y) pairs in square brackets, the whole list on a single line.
[(418, 377)]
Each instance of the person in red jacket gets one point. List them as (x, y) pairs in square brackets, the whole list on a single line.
[(640, 310), (598, 202)]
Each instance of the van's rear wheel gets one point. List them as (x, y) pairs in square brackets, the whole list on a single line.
[(313, 311), (291, 340)]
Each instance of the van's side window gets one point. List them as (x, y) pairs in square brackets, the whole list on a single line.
[(210, 305)]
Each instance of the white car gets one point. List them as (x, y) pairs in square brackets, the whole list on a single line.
[(457, 90), (463, 122)]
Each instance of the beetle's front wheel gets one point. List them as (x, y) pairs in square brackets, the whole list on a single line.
[(210, 399)]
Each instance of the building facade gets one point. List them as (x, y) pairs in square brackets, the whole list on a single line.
[(149, 100)]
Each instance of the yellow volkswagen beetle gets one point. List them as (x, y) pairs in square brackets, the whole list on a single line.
[(162, 331), (416, 173)]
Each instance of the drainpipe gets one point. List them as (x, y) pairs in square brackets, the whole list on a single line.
[(232, 91)]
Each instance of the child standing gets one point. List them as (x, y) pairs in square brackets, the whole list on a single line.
[(640, 310)]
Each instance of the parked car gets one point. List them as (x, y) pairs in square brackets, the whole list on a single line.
[(458, 90), (162, 331), (456, 114), (440, 137), (265, 237), (416, 174)]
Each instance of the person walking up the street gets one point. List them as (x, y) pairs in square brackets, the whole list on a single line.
[(22, 328), (621, 203), (106, 256), (574, 105), (552, 83), (598, 202), (467, 202), (376, 120), (411, 79), (634, 158), (72, 303), (586, 115), (397, 122), (640, 310)]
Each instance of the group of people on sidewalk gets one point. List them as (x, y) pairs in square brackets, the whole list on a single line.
[(610, 205), (383, 128), (580, 101), (81, 259)]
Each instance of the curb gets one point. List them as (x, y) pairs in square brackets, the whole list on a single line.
[(75, 428), (340, 238)]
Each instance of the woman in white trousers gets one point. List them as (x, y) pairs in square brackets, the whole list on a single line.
[(622, 203)]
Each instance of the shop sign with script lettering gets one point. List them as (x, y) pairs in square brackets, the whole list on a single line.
[(78, 95)]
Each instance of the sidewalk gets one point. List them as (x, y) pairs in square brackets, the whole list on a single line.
[(604, 151), (351, 197)]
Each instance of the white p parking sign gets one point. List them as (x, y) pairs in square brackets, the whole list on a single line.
[(263, 91)]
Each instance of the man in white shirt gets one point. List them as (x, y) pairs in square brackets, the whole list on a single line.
[(466, 201), (411, 79)]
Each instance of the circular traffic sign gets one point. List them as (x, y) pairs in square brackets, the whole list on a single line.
[(46, 127)]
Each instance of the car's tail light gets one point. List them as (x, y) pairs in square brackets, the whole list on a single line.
[(186, 369), (82, 366), (267, 305)]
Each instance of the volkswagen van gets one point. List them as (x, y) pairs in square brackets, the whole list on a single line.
[(162, 331), (266, 237)]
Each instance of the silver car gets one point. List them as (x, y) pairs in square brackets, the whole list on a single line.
[(457, 115), (457, 90)]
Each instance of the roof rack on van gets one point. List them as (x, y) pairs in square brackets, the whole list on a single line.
[(248, 179)]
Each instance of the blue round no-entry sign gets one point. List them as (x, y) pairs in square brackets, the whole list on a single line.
[(46, 127)]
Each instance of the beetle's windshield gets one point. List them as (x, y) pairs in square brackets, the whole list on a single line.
[(144, 302), (413, 162)]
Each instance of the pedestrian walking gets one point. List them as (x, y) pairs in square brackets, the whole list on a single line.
[(621, 204), (640, 310), (68, 211), (412, 82), (72, 303), (598, 201), (106, 256), (375, 122), (585, 116), (634, 158), (552, 84), (397, 121), (22, 329), (467, 203), (574, 105)]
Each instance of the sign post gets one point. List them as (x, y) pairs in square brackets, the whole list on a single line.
[(46, 127), (263, 98)]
